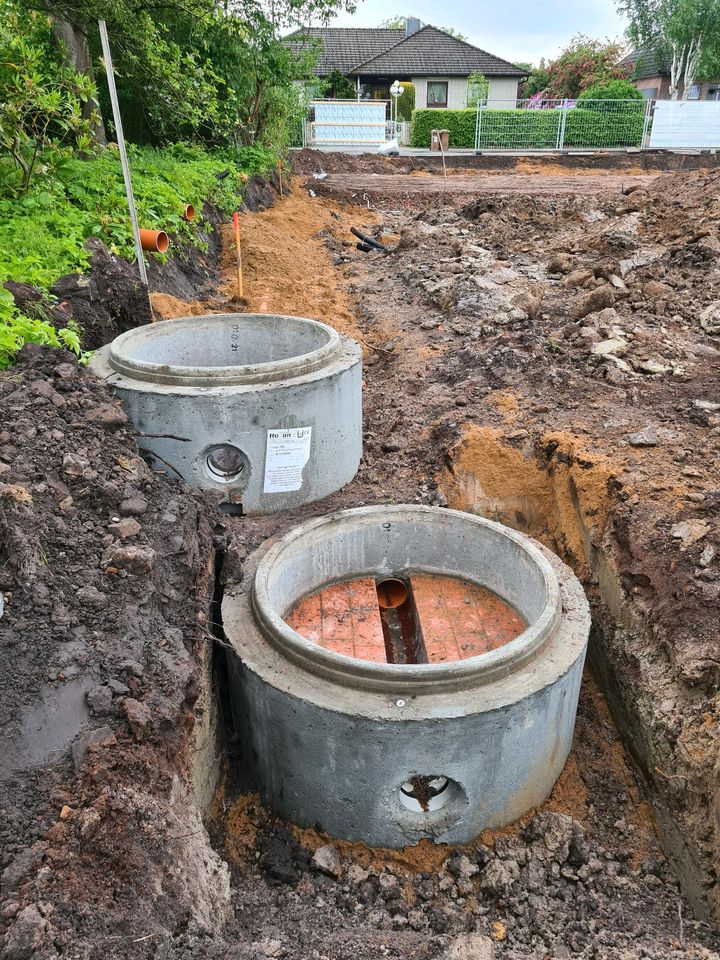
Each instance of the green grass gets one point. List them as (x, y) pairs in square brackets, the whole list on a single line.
[(42, 234)]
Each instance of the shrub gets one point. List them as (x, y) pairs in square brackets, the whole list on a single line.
[(406, 101), (533, 129), (612, 90), (460, 123)]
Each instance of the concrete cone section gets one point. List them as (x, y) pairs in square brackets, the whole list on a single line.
[(265, 409), (386, 752)]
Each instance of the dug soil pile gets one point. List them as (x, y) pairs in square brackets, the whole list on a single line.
[(545, 361)]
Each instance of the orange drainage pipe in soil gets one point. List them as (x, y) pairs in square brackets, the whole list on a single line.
[(280, 183), (157, 241), (189, 212), (238, 254)]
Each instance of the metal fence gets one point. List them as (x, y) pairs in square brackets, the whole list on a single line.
[(562, 124)]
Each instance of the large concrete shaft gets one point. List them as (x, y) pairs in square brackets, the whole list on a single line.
[(266, 409), (332, 741)]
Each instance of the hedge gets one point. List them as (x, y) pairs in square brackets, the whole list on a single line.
[(619, 126)]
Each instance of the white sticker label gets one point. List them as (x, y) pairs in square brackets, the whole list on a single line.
[(286, 453)]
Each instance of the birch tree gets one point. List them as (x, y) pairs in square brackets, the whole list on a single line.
[(684, 33)]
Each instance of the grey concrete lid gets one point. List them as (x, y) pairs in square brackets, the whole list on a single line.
[(201, 350), (384, 540)]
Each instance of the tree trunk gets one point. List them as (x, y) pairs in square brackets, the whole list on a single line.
[(676, 66), (76, 52)]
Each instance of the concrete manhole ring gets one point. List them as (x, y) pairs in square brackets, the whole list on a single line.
[(264, 408), (391, 752)]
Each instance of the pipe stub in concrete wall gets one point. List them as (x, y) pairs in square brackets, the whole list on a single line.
[(344, 724), (264, 408)]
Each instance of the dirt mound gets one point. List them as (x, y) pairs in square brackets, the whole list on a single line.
[(104, 571)]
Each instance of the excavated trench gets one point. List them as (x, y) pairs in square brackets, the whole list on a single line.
[(589, 852)]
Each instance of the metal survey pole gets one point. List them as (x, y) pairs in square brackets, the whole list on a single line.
[(107, 57)]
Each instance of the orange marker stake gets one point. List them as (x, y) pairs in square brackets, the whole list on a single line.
[(236, 224), (280, 177)]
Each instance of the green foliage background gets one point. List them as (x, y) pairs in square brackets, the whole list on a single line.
[(533, 129)]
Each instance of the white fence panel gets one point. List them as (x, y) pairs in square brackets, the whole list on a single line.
[(348, 122), (686, 123)]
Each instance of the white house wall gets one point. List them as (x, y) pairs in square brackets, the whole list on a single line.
[(502, 91), (457, 91)]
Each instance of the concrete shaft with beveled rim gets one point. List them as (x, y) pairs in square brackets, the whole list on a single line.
[(199, 384), (329, 741)]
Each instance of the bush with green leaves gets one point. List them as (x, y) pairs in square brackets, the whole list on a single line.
[(460, 123), (40, 99), (406, 101), (535, 129), (477, 89), (42, 234), (611, 90)]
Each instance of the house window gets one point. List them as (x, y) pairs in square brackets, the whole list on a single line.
[(713, 92), (694, 92), (437, 93)]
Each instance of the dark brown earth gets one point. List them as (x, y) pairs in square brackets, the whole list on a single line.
[(489, 385)]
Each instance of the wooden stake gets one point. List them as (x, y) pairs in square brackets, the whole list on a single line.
[(236, 224), (280, 177)]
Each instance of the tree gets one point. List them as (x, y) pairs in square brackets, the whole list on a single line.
[(477, 91), (685, 32), (400, 23), (537, 80), (584, 63), (213, 69), (40, 98), (339, 86)]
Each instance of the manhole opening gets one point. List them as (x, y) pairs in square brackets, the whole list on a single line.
[(413, 618)]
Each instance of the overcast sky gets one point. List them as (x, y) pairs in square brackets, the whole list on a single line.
[(521, 30)]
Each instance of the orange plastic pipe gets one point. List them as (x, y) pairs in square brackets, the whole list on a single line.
[(280, 178), (189, 213), (157, 241)]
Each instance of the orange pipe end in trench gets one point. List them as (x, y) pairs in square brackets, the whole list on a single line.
[(156, 241), (189, 213)]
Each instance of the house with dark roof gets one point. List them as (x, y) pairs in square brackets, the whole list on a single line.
[(437, 63), (650, 73)]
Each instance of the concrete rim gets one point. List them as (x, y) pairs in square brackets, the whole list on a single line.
[(122, 362), (370, 675)]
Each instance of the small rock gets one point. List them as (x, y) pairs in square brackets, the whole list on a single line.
[(125, 528), (356, 874), (656, 290), (707, 556), (470, 946), (612, 347), (652, 366), (109, 415), (136, 560), (326, 859), (99, 699), (118, 688), (593, 300), (710, 319), (74, 465), (647, 437), (27, 936), (133, 507), (576, 278), (690, 531), (138, 716)]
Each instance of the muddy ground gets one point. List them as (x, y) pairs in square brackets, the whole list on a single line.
[(547, 360)]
